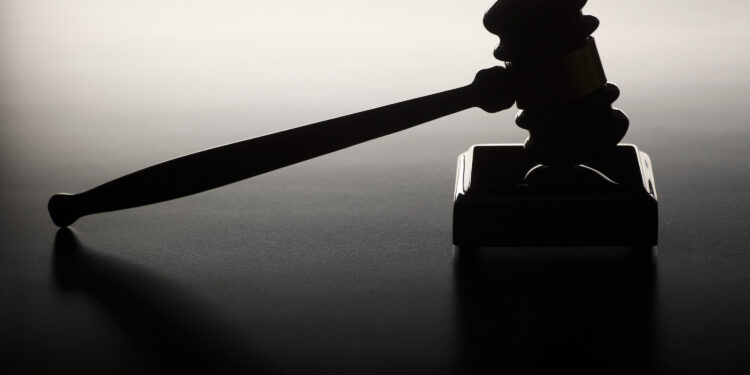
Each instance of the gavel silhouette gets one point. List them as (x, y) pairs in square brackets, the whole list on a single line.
[(553, 72)]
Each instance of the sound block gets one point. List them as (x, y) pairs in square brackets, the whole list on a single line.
[(496, 204)]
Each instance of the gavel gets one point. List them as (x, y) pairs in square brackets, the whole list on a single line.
[(552, 72)]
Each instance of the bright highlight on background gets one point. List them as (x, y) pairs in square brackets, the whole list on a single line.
[(250, 67), (219, 55)]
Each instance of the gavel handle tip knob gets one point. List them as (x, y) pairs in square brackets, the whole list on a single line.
[(61, 209)]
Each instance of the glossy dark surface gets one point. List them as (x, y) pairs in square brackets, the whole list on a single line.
[(344, 263)]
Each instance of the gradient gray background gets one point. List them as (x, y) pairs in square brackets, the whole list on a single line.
[(90, 90)]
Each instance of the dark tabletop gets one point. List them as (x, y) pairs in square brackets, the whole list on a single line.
[(344, 264)]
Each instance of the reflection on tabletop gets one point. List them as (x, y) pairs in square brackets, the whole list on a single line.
[(547, 309)]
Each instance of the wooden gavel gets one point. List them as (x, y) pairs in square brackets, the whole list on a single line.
[(557, 79), (224, 165)]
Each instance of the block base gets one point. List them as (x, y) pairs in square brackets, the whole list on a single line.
[(495, 205)]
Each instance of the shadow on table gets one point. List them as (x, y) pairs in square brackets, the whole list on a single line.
[(174, 332), (553, 310)]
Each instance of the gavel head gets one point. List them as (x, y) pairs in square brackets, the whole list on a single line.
[(558, 79)]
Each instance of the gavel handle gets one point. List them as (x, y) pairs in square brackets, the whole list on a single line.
[(224, 165)]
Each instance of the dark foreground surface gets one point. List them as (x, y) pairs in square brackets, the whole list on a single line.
[(344, 264)]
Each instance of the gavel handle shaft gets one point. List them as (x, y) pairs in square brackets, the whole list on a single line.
[(212, 168)]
